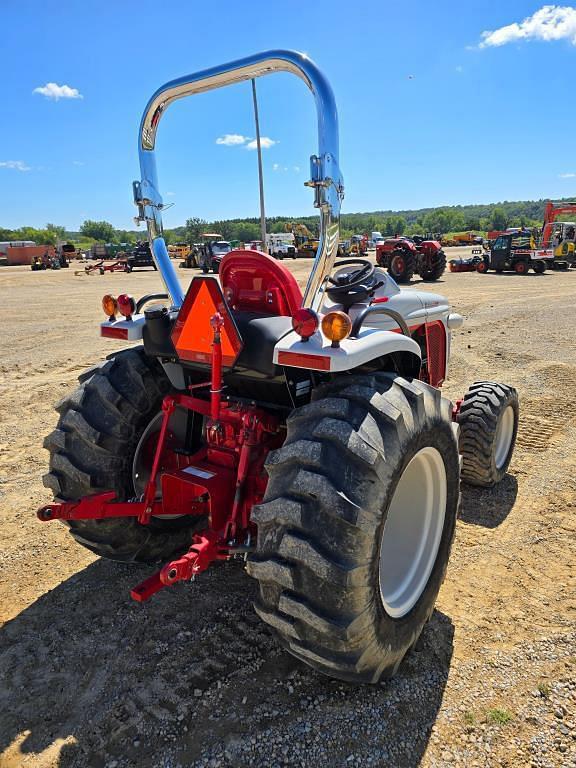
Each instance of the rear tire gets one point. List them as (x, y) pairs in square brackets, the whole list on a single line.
[(92, 449), (482, 268), (539, 267), (338, 480), (437, 270), (488, 422)]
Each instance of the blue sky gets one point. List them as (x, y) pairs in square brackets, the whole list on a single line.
[(432, 111)]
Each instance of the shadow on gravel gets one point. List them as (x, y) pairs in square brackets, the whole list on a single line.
[(489, 507), (194, 678)]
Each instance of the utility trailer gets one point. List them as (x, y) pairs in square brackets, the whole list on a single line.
[(302, 432)]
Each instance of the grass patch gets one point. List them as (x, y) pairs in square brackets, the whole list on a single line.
[(469, 718), (499, 716), (544, 689)]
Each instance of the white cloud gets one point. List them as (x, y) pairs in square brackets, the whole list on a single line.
[(567, 175), (56, 92), (296, 169), (551, 22), (459, 68), (265, 143), (16, 165), (275, 167), (78, 162), (232, 139), (170, 194)]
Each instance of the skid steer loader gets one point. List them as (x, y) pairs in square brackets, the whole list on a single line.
[(304, 433)]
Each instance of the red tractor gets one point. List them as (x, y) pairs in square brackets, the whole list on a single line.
[(303, 433), (404, 256)]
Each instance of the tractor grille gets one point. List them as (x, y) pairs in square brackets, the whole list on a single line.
[(436, 352)]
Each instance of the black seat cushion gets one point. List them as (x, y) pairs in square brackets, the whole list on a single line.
[(260, 335)]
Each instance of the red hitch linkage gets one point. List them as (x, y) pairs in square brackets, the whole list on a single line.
[(224, 496), (205, 549), (216, 321)]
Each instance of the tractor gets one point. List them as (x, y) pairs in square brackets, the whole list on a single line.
[(304, 433), (404, 256)]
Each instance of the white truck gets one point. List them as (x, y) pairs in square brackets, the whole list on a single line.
[(281, 245)]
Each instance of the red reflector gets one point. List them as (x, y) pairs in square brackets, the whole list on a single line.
[(113, 333), (316, 362), (305, 322), (193, 335), (380, 300)]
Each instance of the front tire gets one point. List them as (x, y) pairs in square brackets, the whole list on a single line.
[(402, 265), (92, 450), (488, 422), (369, 471)]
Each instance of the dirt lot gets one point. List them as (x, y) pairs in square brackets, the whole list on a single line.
[(89, 678)]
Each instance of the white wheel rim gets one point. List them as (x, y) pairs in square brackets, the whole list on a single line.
[(412, 532), (504, 435)]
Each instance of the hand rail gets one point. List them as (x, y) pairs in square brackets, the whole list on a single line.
[(326, 178), (377, 309)]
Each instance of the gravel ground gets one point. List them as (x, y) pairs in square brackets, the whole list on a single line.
[(193, 678)]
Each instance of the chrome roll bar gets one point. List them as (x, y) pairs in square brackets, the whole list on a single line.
[(325, 177)]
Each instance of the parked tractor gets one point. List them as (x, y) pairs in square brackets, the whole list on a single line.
[(404, 256), (304, 433)]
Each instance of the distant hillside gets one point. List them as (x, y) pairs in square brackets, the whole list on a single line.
[(454, 218)]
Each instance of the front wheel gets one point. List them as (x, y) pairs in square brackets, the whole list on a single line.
[(488, 422), (402, 265), (521, 268), (355, 529)]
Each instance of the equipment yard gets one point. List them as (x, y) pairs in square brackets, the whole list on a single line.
[(194, 677)]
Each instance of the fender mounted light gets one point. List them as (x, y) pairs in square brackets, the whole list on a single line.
[(126, 305), (110, 307), (336, 326), (305, 322)]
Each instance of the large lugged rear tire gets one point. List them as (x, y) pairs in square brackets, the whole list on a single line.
[(92, 449), (488, 422), (356, 526), (436, 270)]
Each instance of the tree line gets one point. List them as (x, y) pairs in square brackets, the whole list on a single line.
[(455, 218)]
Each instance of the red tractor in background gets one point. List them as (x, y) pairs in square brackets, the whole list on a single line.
[(404, 256)]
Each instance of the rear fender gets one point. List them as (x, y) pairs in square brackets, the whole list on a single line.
[(317, 354)]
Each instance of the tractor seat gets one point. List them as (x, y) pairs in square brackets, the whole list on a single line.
[(255, 282), (260, 335)]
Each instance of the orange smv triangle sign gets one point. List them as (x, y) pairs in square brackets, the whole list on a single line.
[(193, 335)]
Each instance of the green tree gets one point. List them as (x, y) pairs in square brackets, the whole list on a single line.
[(59, 231), (499, 219), (224, 228), (99, 230), (194, 228)]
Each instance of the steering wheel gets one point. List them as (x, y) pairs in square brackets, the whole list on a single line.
[(351, 286), (346, 280)]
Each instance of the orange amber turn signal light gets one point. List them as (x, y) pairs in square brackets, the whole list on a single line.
[(336, 326), (110, 306)]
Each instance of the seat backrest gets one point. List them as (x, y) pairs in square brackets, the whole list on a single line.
[(255, 282)]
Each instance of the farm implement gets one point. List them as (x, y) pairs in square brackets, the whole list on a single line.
[(305, 433), (101, 267)]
